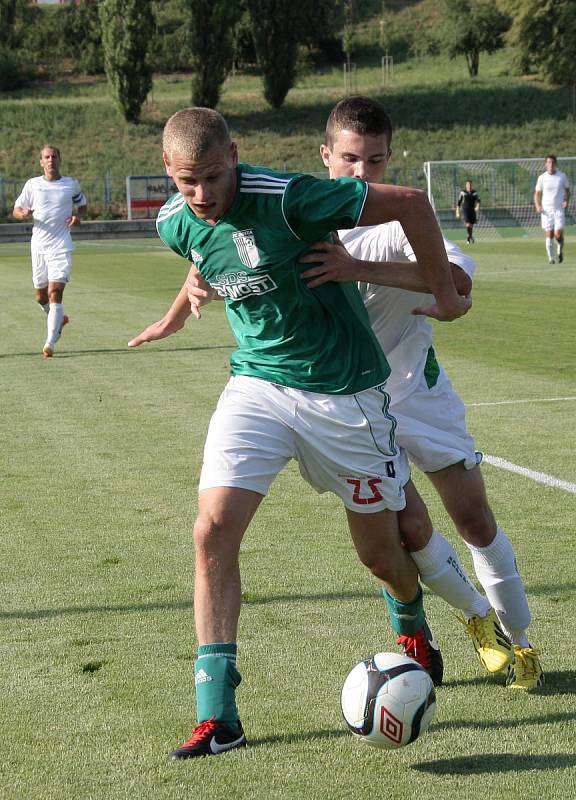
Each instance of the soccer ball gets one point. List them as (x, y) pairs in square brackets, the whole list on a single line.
[(388, 700)]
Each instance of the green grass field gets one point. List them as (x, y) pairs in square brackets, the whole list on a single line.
[(101, 451)]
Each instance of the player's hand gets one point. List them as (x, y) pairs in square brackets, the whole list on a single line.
[(199, 292), (332, 263), (445, 313), (457, 214), (158, 330), (73, 221)]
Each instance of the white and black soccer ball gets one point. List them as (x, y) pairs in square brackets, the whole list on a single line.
[(388, 700)]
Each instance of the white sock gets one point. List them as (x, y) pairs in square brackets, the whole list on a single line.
[(495, 567), (559, 248), (45, 307), (54, 323), (441, 571), (550, 247)]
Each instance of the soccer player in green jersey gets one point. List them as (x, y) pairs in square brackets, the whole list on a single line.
[(307, 378)]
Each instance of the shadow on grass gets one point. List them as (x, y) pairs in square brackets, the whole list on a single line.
[(475, 724), (555, 683), (121, 351), (46, 613), (335, 733), (494, 763)]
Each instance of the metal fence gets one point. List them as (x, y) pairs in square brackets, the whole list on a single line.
[(105, 196), (132, 197)]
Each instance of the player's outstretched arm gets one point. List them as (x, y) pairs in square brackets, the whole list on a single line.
[(194, 293), (412, 209), (173, 321), (334, 263)]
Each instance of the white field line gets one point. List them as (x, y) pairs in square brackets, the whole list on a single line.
[(539, 477), (518, 402)]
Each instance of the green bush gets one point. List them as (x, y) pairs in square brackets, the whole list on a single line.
[(13, 72)]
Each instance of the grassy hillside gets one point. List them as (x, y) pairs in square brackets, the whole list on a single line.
[(437, 110)]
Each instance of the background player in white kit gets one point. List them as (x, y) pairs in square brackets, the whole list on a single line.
[(50, 199), (430, 416), (551, 199)]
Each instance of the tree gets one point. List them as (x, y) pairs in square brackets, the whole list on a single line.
[(473, 27), (544, 35), (7, 21), (81, 31), (127, 30), (211, 24), (276, 26)]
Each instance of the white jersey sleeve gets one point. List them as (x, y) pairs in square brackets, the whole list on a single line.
[(539, 187), (406, 339), (26, 197)]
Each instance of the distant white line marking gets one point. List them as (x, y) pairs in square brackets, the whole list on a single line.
[(539, 477), (518, 402)]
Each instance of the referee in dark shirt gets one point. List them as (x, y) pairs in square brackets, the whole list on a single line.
[(468, 205)]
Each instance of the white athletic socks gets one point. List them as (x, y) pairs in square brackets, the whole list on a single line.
[(54, 323), (550, 247), (442, 572), (495, 567)]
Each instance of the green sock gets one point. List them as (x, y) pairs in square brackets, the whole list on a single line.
[(405, 618), (216, 679)]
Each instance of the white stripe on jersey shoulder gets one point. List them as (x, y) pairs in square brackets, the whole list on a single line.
[(260, 183), (171, 207)]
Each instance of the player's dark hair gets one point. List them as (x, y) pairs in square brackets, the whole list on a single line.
[(361, 115), (552, 156)]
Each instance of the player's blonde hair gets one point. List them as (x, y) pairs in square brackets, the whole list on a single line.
[(50, 147), (193, 131)]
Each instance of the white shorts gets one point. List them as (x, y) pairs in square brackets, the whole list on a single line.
[(343, 444), (50, 268), (431, 427), (552, 219)]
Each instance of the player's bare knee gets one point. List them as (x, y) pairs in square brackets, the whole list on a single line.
[(215, 539), (478, 527), (382, 567), (415, 529)]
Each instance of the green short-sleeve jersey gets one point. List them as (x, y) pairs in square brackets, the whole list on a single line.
[(319, 340)]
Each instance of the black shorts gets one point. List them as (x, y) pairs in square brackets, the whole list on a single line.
[(469, 217)]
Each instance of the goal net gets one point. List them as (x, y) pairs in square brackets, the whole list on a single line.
[(505, 187)]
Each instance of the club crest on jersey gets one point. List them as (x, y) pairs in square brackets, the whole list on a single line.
[(246, 247)]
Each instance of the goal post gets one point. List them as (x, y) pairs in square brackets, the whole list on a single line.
[(505, 187)]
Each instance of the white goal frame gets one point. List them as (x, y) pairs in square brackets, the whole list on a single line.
[(505, 187)]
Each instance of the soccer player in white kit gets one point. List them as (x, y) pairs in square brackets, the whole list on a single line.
[(50, 199), (430, 416), (551, 199)]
